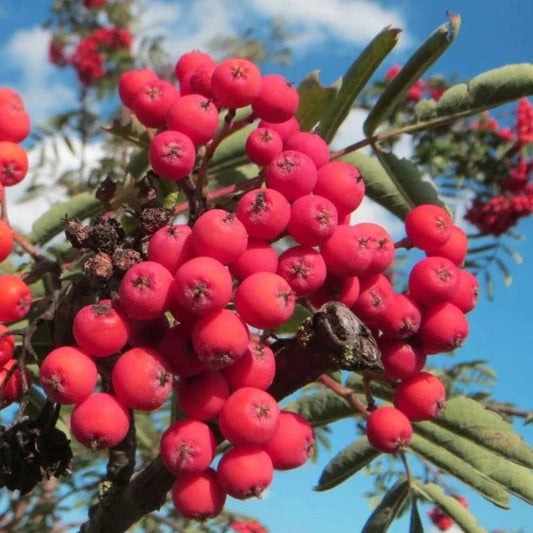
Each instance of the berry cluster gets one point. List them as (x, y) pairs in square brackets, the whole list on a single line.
[(498, 213), (429, 319), (16, 295), (229, 278), (91, 53)]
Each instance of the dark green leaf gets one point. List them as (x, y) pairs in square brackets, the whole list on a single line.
[(455, 466), (354, 80), (51, 223), (470, 419), (415, 524), (396, 90), (321, 408), (384, 514), (346, 463), (462, 517), (314, 99), (293, 323)]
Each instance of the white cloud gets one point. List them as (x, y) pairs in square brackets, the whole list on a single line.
[(349, 21), (57, 158), (27, 52)]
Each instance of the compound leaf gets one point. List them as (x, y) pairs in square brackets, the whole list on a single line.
[(314, 99), (396, 90)]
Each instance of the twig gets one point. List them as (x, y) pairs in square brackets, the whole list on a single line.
[(343, 392)]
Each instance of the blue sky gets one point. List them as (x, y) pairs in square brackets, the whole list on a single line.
[(493, 33)]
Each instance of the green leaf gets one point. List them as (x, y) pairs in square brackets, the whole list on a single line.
[(507, 277), (384, 514), (354, 80), (346, 463), (293, 323), (487, 90), (517, 479), (415, 524), (462, 517), (450, 463), (314, 99), (415, 67), (321, 408), (399, 189), (51, 223), (470, 419), (408, 181)]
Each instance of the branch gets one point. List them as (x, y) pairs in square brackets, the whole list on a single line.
[(331, 339)]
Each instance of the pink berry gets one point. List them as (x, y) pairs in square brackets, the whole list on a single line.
[(278, 100), (152, 102), (262, 145), (313, 220), (131, 82), (259, 256), (172, 155), (236, 82), (310, 144), (303, 268), (428, 226)]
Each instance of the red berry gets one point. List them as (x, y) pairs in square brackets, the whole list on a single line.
[(202, 285), (176, 348), (291, 173), (256, 368), (171, 246), (342, 184), (388, 429), (345, 290), (303, 268), (187, 446), (172, 155), (278, 100), (7, 345), (198, 496), (100, 421), (402, 318), (250, 416), (194, 115), (264, 300), (444, 328), (467, 293), (313, 220), (285, 129), (13, 390), (259, 256), (420, 397), (16, 298), (400, 358), (454, 249), (100, 329), (144, 291), (13, 163), (310, 144), (152, 101), (428, 226), (131, 82), (68, 375), (264, 213), (202, 396), (433, 280), (236, 82), (142, 379), (375, 299), (219, 234), (200, 79), (245, 472), (190, 61), (262, 145), (293, 443), (14, 123)]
